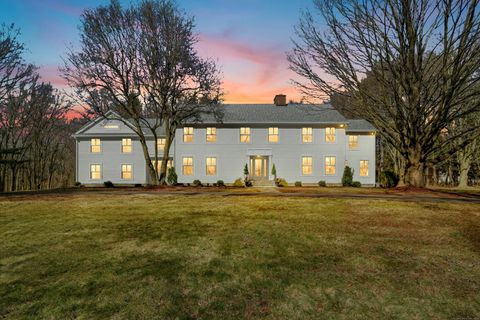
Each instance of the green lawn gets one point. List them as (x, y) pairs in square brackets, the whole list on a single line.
[(91, 256)]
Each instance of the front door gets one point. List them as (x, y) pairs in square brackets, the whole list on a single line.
[(259, 168)]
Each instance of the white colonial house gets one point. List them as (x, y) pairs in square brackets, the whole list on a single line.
[(307, 143)]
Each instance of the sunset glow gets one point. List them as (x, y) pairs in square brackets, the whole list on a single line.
[(249, 39)]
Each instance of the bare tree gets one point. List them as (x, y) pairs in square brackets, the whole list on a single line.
[(140, 61), (423, 55)]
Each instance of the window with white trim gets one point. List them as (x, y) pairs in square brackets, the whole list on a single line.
[(352, 142), (126, 145), (330, 134), (307, 165), (211, 134), (273, 135), (211, 166), (127, 173), (245, 135), (161, 143), (363, 168), (187, 168), (158, 164), (95, 172), (95, 145), (330, 165), (188, 134), (307, 135)]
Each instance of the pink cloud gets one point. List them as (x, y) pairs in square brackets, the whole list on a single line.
[(253, 73), (50, 73)]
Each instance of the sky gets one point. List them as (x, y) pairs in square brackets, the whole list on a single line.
[(248, 38)]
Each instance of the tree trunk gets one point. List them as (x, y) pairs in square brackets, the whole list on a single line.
[(465, 163), (415, 169), (148, 161), (169, 136)]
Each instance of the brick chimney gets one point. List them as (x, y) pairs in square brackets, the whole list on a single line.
[(280, 100)]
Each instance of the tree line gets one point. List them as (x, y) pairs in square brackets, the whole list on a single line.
[(36, 148)]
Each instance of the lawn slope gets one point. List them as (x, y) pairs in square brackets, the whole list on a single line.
[(211, 257)]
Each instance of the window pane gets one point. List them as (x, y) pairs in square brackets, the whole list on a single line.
[(95, 145), (363, 168), (307, 136), (188, 134), (161, 143), (307, 165), (126, 145), (187, 166), (211, 166), (95, 172), (330, 134), (352, 142), (330, 165), (211, 134), (244, 135)]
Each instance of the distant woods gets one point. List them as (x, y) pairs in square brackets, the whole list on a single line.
[(36, 147)]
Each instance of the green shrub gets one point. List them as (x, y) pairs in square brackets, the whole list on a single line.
[(347, 177), (197, 183), (280, 182), (238, 183), (248, 182), (220, 183), (245, 170), (298, 183), (108, 184), (356, 184), (78, 184), (172, 176), (388, 179), (274, 171), (322, 183)]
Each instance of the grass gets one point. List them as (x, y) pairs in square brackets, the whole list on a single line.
[(145, 256)]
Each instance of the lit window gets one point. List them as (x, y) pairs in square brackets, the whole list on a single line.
[(330, 134), (211, 166), (307, 165), (161, 143), (363, 168), (272, 135), (95, 146), (187, 166), (111, 126), (330, 165), (211, 134), (126, 145), (352, 142), (159, 164), (188, 134), (245, 135), (127, 171), (95, 172), (307, 135)]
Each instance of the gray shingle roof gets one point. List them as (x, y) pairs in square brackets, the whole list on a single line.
[(359, 125), (269, 113)]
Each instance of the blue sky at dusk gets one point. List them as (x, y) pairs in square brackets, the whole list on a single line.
[(249, 38)]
